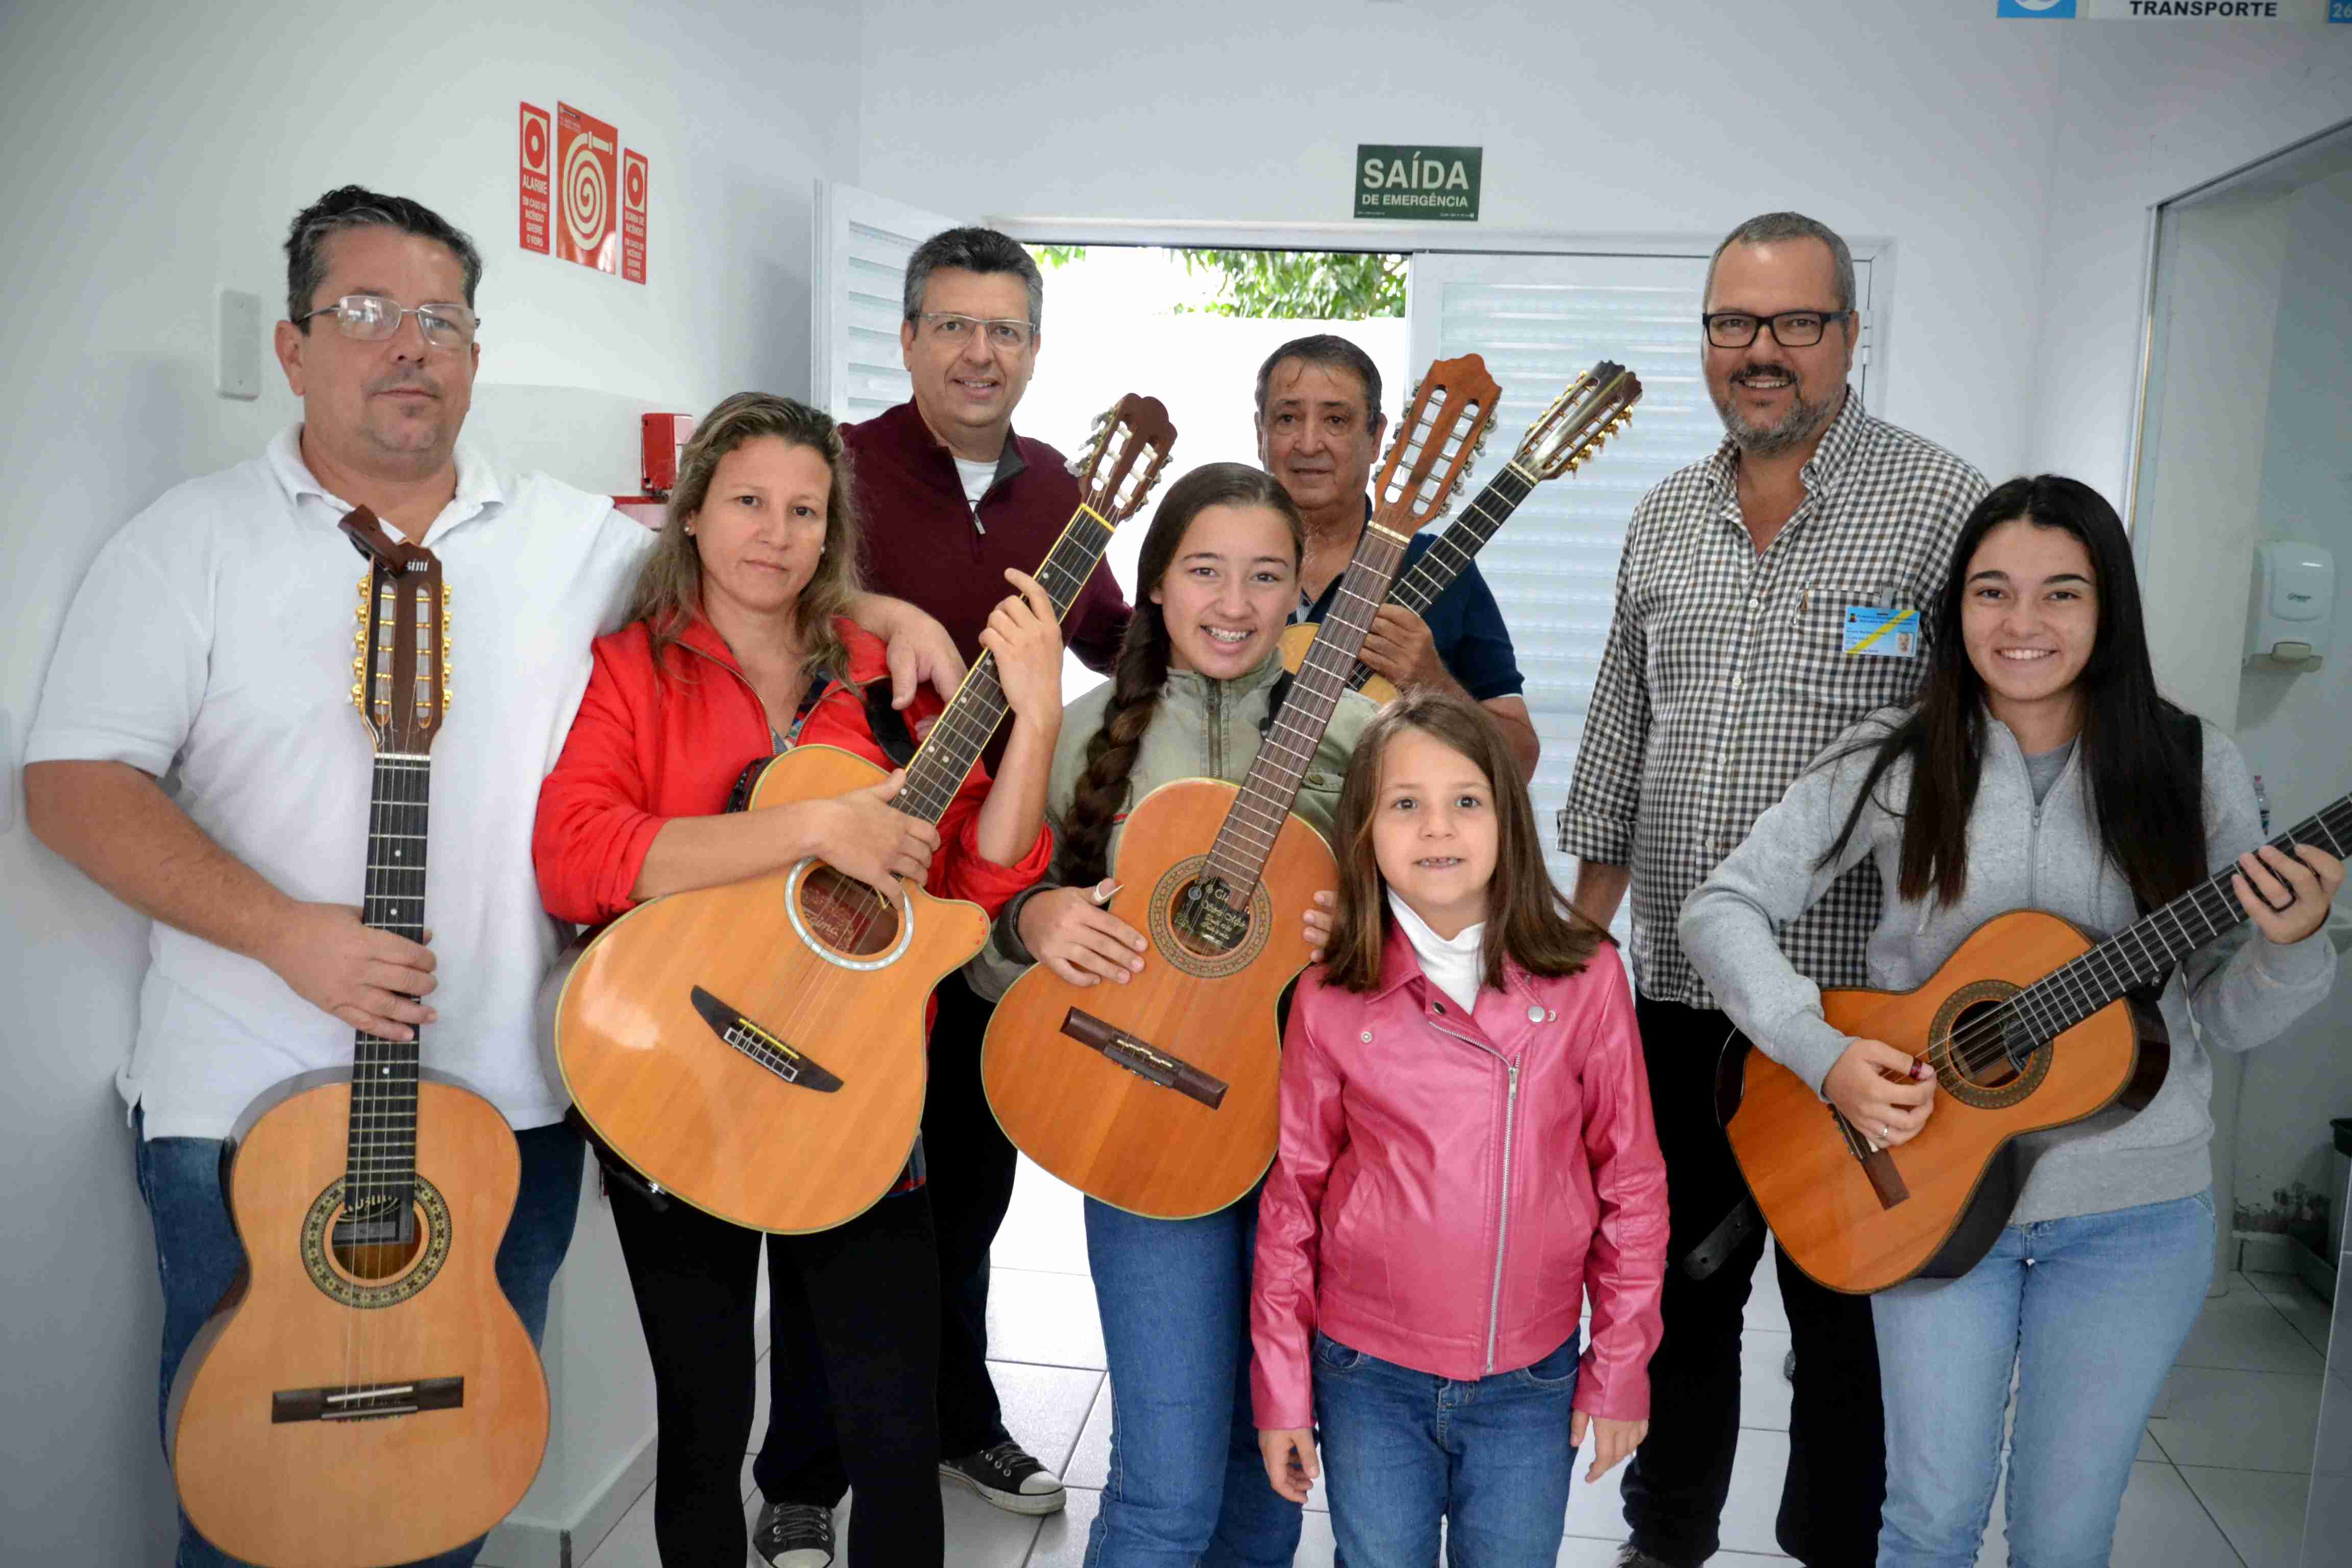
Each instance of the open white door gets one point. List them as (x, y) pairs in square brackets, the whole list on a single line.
[(1537, 320), (862, 243)]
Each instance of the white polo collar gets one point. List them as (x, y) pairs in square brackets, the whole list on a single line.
[(479, 485)]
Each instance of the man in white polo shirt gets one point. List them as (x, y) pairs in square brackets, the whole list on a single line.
[(213, 632)]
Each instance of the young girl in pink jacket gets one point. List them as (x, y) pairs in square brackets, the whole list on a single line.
[(1465, 1154)]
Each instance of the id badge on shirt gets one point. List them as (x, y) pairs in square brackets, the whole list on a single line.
[(1872, 632)]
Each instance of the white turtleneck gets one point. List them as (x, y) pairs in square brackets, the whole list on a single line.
[(1455, 966)]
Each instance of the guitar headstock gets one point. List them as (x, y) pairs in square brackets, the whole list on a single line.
[(1568, 434), (1444, 428), (1123, 457), (400, 677)]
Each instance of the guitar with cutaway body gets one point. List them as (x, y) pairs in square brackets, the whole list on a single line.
[(1157, 1095), (757, 1049), (367, 1394)]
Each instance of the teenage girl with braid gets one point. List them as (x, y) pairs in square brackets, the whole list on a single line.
[(1198, 679)]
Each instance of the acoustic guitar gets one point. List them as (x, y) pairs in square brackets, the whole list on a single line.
[(2029, 1026), (366, 1393), (1157, 1095), (758, 1049), (1568, 434)]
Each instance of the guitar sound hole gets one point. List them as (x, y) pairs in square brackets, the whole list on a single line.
[(1204, 922), (1976, 1049), (846, 914), (368, 1251)]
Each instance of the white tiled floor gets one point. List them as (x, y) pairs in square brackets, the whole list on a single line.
[(2222, 1481)]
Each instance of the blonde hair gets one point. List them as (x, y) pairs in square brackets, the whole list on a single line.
[(1529, 922), (669, 593)]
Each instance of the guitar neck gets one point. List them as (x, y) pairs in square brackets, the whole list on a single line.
[(1250, 829), (381, 1177), (964, 727), (1472, 531), (2142, 953)]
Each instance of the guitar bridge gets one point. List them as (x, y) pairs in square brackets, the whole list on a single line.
[(796, 1068), (1876, 1163), (1144, 1061), (366, 1402)]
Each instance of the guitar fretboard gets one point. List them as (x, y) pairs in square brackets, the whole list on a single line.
[(963, 729), (1255, 819), (1450, 553), (381, 1173), (2141, 954)]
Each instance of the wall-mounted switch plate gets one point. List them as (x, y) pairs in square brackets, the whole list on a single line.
[(240, 344)]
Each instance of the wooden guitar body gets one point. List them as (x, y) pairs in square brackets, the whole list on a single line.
[(448, 1409), (1858, 1221), (1104, 1128), (685, 1031), (1298, 639)]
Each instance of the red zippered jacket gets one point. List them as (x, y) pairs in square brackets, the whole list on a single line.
[(1448, 1189), (646, 747)]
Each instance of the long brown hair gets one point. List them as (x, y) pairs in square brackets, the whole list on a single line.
[(1142, 667), (1528, 920), (669, 593)]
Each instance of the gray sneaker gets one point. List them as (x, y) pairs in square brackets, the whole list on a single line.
[(793, 1535), (1005, 1476)]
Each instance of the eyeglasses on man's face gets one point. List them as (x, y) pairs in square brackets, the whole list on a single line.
[(1003, 332), (1790, 329), (371, 318)]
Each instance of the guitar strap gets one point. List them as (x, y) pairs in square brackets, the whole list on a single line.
[(889, 725), (1280, 689)]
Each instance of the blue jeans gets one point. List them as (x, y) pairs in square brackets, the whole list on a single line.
[(2090, 1312), (1186, 1484), (1404, 1449), (198, 1255)]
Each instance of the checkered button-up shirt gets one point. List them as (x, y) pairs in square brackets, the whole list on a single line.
[(1725, 673)]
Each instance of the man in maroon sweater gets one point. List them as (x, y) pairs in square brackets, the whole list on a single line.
[(949, 497)]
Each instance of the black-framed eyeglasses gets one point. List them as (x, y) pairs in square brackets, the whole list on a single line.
[(1004, 331), (1790, 329), (371, 318)]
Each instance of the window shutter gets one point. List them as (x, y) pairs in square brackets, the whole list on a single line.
[(861, 242)]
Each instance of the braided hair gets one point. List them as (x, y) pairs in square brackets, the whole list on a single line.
[(1142, 667)]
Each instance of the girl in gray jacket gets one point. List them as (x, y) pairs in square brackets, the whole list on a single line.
[(2040, 769)]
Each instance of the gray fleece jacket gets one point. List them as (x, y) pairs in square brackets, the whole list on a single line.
[(2241, 991)]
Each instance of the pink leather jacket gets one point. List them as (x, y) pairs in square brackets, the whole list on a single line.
[(1448, 1189)]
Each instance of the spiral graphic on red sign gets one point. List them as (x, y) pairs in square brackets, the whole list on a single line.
[(586, 203)]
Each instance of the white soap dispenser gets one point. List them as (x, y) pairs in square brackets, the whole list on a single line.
[(2291, 605)]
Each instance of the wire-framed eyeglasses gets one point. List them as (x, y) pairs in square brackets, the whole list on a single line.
[(371, 318), (1002, 332)]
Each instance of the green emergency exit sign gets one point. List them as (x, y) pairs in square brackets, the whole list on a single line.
[(1410, 181)]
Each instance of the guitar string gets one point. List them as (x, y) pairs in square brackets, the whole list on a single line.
[(958, 731), (1321, 682), (2041, 1011)]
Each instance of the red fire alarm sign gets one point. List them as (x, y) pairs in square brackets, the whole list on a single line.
[(587, 153), (632, 216), (538, 139)]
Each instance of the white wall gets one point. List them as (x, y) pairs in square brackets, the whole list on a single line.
[(1918, 120), (2144, 113), (155, 155)]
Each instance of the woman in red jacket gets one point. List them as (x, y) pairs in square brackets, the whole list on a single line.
[(738, 649), (1466, 1154)]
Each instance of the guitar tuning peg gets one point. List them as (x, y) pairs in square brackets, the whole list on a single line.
[(364, 585), (359, 638), (448, 595), (1480, 449), (1459, 481), (359, 615), (358, 698), (359, 664)]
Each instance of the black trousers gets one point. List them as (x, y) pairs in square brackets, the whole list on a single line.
[(1677, 1481), (853, 1310), (970, 1165)]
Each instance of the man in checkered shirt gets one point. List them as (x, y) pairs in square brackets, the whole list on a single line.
[(1749, 582)]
